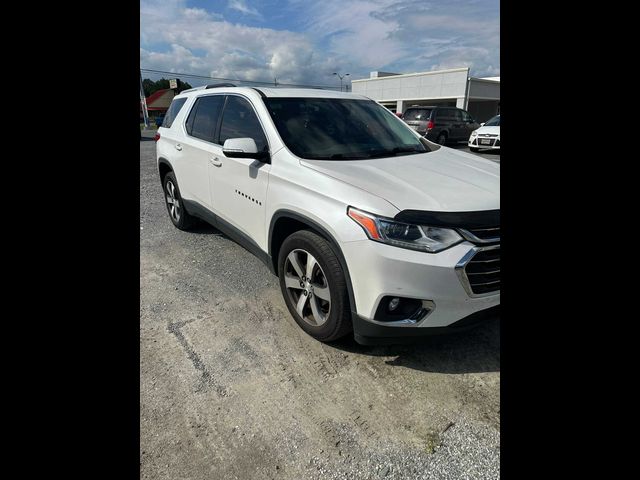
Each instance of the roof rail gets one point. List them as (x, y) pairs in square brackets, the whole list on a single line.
[(216, 85), (193, 89)]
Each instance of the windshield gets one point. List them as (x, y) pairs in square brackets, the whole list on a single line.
[(494, 122), (417, 114), (341, 129)]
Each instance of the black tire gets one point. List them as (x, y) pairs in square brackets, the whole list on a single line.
[(338, 320), (182, 220), (442, 138), (474, 149)]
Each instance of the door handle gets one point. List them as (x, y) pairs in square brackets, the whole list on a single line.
[(215, 162), (178, 147)]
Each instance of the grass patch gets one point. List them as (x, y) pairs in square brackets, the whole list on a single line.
[(432, 442)]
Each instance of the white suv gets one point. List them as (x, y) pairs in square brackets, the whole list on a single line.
[(369, 227)]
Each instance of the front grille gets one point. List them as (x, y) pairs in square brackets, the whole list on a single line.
[(483, 271)]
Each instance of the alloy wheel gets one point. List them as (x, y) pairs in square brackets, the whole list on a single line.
[(307, 287), (173, 203)]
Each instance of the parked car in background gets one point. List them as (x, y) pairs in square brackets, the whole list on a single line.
[(441, 124), (487, 136), (371, 228)]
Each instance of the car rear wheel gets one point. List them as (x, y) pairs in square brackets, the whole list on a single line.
[(313, 286), (442, 138), (175, 206)]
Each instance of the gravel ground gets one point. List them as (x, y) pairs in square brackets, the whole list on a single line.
[(232, 388)]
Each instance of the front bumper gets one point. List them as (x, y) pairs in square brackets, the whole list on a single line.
[(476, 143), (367, 333), (378, 270)]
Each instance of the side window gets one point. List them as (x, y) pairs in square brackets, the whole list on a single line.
[(204, 116), (173, 111), (442, 114), (466, 117), (457, 115), (240, 121)]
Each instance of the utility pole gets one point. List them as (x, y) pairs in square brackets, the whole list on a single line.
[(143, 102), (341, 77), (275, 81)]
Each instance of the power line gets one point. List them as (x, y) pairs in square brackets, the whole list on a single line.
[(191, 75)]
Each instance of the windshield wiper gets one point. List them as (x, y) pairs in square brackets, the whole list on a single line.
[(394, 151)]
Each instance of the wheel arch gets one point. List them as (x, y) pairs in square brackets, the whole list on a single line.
[(164, 167), (285, 222)]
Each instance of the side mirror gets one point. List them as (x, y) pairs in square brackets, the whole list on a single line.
[(482, 124), (243, 148)]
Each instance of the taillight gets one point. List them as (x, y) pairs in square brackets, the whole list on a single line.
[(157, 136), (430, 125)]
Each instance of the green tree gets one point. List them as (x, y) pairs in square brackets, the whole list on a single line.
[(150, 87)]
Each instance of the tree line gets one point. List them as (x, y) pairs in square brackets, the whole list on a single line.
[(150, 87)]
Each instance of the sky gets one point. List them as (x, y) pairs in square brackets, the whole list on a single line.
[(305, 41)]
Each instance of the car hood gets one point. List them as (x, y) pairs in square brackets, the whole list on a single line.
[(491, 130), (443, 180)]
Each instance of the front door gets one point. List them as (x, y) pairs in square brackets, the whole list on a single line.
[(239, 185), (469, 123)]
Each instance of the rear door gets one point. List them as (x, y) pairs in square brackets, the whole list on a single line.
[(199, 148), (458, 127), (239, 185)]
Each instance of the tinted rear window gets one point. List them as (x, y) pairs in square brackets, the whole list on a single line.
[(417, 114), (204, 116), (173, 111)]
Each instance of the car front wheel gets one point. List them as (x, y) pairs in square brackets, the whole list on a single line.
[(314, 287)]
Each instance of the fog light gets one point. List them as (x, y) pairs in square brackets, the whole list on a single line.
[(393, 304)]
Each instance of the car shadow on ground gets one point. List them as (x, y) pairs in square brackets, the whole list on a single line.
[(474, 351), (203, 228)]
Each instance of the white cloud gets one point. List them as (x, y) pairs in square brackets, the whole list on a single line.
[(350, 36), (242, 7)]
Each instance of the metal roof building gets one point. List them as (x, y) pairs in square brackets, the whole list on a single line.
[(454, 87)]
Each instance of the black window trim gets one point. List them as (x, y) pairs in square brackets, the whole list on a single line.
[(216, 135), (184, 102), (194, 105), (264, 131)]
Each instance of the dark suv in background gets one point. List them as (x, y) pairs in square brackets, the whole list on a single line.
[(441, 124)]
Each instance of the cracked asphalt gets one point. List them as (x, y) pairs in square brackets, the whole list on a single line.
[(232, 388)]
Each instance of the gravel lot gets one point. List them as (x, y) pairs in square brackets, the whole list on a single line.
[(232, 388)]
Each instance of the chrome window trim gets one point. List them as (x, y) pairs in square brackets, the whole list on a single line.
[(462, 275), (473, 239)]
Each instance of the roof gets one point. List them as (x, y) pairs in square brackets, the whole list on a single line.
[(160, 99), (279, 92), (417, 74)]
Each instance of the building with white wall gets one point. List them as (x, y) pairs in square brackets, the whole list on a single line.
[(454, 87)]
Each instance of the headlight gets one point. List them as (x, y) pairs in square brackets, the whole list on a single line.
[(416, 237), (474, 133)]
